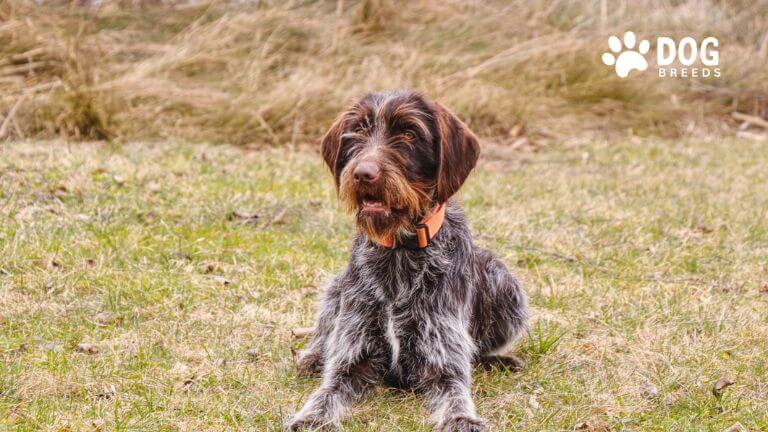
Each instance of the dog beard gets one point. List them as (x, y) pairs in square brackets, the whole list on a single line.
[(388, 209)]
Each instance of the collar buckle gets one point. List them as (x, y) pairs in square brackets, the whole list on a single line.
[(423, 235), (426, 229)]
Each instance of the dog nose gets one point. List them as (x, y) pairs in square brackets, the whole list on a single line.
[(367, 172)]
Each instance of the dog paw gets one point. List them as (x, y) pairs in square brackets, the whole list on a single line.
[(308, 363), (462, 424), (507, 361), (309, 423)]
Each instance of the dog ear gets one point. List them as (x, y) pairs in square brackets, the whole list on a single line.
[(458, 150), (330, 147)]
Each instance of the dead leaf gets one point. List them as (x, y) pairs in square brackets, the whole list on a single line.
[(720, 385), (221, 280), (59, 191), (517, 130), (86, 348), (525, 143), (82, 217), (211, 268), (243, 216), (648, 390), (672, 398), (106, 318), (181, 256), (533, 402), (281, 217), (90, 262), (101, 391), (50, 265), (736, 427), (187, 383), (599, 426), (533, 406), (704, 229), (178, 369), (764, 288)]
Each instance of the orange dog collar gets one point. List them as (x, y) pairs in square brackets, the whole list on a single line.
[(426, 230)]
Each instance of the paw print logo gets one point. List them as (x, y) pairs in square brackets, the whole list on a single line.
[(629, 59)]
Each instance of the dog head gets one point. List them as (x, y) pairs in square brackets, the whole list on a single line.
[(395, 156)]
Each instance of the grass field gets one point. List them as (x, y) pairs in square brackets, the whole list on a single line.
[(131, 299)]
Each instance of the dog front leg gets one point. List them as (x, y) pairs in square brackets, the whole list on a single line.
[(446, 378), (348, 373), (451, 401), (330, 403)]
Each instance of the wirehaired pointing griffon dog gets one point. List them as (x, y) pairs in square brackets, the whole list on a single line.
[(418, 304)]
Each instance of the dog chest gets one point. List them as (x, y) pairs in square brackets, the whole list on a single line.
[(392, 336)]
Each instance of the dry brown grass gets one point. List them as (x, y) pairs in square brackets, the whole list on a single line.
[(276, 72)]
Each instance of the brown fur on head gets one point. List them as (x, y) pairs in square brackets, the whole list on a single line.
[(394, 156)]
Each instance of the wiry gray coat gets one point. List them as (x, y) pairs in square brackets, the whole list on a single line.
[(413, 318)]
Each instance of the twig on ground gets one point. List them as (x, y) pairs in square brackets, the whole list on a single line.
[(753, 120), (303, 332), (26, 68), (33, 89), (751, 135), (9, 117)]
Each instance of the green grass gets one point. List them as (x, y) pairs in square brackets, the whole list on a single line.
[(646, 263)]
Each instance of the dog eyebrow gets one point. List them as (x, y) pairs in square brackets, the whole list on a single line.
[(411, 115), (421, 126), (351, 135)]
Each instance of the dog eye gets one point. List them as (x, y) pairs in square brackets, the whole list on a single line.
[(346, 140), (409, 135)]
